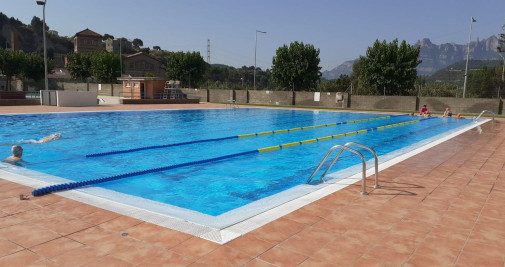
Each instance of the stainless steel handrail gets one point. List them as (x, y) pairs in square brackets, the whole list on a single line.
[(346, 147), (481, 113)]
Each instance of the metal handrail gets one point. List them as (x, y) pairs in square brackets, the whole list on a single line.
[(481, 113), (346, 147)]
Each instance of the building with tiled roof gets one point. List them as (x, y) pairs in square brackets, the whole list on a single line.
[(88, 41), (139, 64)]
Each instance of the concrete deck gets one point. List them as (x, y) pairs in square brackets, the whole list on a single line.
[(443, 207)]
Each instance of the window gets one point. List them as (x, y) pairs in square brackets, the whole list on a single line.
[(127, 84), (136, 85)]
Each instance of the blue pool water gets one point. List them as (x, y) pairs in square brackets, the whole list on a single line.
[(214, 187)]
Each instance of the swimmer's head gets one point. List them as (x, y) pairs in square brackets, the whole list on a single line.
[(56, 135), (17, 151)]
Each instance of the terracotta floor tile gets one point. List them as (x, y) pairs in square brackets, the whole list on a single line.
[(9, 221), (419, 260), (157, 235), (484, 249), (226, 256), (28, 235), (65, 204), (250, 245), (472, 260), (63, 225), (163, 257), (397, 244), (259, 263), (411, 229), (78, 256), (120, 224), (89, 235), (99, 217), (21, 258), (44, 263), (308, 241), (278, 230), (304, 217), (55, 247), (282, 257), (431, 248), (138, 252), (331, 226), (108, 261), (7, 247), (370, 262), (13, 205), (339, 254), (310, 262), (195, 248), (112, 241)]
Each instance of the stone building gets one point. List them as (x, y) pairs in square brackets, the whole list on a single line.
[(139, 64), (112, 45), (88, 41)]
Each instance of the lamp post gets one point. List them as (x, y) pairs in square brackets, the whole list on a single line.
[(43, 4), (255, 45), (503, 72), (472, 20)]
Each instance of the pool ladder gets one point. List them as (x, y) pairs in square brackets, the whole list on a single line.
[(346, 147), (482, 112)]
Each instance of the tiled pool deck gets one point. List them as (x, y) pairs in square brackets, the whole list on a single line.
[(442, 207)]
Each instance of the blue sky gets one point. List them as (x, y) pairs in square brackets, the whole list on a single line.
[(341, 29)]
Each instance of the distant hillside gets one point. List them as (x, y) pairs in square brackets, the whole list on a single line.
[(437, 57), (455, 73), (30, 39), (344, 68)]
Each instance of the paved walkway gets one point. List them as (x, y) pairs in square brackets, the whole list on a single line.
[(443, 207)]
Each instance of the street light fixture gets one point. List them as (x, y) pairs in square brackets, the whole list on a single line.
[(43, 4), (472, 20), (255, 45)]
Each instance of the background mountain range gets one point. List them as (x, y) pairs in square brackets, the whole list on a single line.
[(436, 57)]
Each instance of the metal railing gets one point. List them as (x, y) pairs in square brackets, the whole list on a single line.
[(481, 113), (346, 147)]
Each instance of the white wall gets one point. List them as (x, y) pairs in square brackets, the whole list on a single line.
[(76, 98)]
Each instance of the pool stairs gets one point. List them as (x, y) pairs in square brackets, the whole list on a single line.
[(346, 147)]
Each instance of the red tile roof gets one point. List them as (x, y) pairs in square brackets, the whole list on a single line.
[(88, 32)]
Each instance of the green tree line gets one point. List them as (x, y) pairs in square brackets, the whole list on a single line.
[(24, 65)]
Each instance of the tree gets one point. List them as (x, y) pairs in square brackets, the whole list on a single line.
[(105, 67), (79, 65), (107, 36), (296, 67), (11, 64), (484, 82), (137, 43), (186, 67), (389, 68), (34, 66), (37, 25)]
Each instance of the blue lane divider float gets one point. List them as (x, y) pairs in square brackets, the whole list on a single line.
[(74, 185), (235, 136)]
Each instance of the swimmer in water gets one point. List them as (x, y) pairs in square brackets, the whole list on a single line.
[(46, 139), (17, 153)]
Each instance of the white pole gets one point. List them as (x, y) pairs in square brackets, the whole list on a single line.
[(43, 4), (472, 20), (255, 45)]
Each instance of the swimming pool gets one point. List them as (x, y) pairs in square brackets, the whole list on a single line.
[(224, 171)]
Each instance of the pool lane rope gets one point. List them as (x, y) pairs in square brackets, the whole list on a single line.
[(73, 185), (234, 137)]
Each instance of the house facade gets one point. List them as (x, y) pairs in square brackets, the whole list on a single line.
[(88, 41), (140, 64)]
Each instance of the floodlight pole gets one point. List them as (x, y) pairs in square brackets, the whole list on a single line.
[(43, 4), (472, 20), (255, 45)]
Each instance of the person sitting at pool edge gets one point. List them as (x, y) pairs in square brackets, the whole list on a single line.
[(447, 112), (46, 139), (423, 110), (17, 153)]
